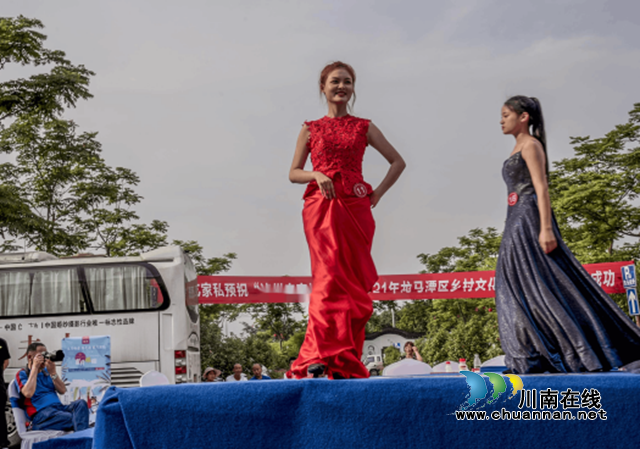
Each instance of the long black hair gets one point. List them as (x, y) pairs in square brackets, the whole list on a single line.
[(531, 106)]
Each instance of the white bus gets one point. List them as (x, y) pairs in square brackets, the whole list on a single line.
[(147, 304)]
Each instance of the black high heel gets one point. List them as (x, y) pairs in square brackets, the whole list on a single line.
[(317, 369)]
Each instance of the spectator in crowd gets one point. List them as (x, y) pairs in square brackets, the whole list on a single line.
[(257, 373), (289, 374), (39, 386), (411, 352), (238, 375), (4, 362), (211, 375)]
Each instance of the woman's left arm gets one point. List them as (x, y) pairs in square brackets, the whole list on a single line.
[(534, 156), (379, 142)]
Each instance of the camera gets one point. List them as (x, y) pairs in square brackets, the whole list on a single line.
[(55, 356)]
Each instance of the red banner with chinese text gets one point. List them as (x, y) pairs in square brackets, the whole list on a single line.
[(474, 284)]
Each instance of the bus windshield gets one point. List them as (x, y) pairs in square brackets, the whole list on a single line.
[(109, 288)]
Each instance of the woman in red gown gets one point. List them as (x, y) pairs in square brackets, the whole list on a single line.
[(339, 227)]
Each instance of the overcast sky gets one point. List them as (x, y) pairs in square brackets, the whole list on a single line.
[(205, 99)]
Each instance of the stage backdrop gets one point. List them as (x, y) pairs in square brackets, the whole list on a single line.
[(474, 284)]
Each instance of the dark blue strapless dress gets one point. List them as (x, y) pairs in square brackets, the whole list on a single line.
[(552, 315)]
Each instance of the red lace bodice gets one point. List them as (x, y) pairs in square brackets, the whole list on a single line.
[(337, 145)]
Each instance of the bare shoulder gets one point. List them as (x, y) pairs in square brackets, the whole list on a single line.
[(373, 128), (532, 149), (305, 132)]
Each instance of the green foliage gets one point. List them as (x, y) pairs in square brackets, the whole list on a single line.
[(43, 94), (477, 251), (276, 319), (291, 347), (382, 317), (457, 328), (390, 355), (206, 266), (61, 196), (415, 316), (461, 328), (224, 352), (16, 218), (595, 193)]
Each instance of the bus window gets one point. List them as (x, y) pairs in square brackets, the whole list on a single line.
[(191, 289), (55, 291), (124, 287), (15, 290), (41, 292)]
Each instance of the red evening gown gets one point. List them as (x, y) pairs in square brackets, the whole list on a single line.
[(339, 233)]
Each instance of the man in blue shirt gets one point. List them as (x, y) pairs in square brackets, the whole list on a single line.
[(257, 372), (39, 388)]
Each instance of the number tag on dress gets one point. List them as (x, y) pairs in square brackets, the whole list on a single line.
[(513, 198), (360, 190)]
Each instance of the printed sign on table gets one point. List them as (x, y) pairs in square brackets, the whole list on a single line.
[(86, 370)]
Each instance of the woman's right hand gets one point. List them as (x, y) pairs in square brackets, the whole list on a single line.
[(547, 240), (326, 185)]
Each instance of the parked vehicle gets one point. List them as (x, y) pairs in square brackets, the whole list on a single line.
[(148, 304), (374, 364)]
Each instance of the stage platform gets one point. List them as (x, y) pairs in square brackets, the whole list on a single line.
[(379, 412)]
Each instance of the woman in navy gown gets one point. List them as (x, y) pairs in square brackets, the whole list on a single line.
[(552, 315)]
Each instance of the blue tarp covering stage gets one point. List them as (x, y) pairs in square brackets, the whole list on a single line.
[(373, 413)]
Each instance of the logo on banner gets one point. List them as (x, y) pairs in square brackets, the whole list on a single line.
[(513, 198), (86, 340), (360, 190)]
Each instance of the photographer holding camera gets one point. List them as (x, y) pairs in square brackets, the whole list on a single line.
[(38, 385)]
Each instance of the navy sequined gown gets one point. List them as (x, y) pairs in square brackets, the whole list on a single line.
[(552, 315)]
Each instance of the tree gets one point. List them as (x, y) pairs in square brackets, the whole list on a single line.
[(461, 328), (595, 193), (44, 94), (276, 319), (16, 218), (206, 266), (383, 316), (458, 328), (415, 316), (61, 196), (477, 251), (391, 355)]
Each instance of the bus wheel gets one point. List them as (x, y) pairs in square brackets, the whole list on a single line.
[(374, 372), (12, 430)]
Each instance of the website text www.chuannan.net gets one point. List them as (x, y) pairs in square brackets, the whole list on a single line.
[(534, 415)]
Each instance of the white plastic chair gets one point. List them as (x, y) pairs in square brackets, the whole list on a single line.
[(407, 367), (495, 364), (32, 436), (496, 361), (152, 378)]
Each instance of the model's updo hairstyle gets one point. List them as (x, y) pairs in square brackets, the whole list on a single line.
[(330, 68), (531, 106)]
